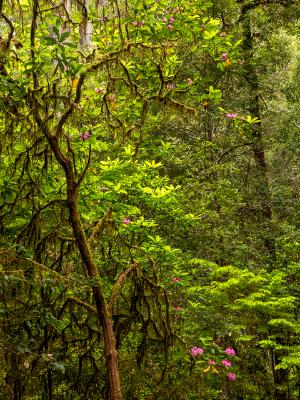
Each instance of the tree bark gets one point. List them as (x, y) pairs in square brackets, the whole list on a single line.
[(105, 318), (251, 76)]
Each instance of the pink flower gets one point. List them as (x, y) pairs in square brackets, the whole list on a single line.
[(226, 363), (170, 27), (231, 376), (231, 115), (211, 362), (172, 20), (230, 351), (178, 308), (98, 90), (195, 351), (224, 57), (176, 279), (189, 82), (84, 136), (170, 86), (138, 24), (126, 221)]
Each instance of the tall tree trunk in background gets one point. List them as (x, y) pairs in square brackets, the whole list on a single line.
[(86, 27), (263, 185), (263, 181)]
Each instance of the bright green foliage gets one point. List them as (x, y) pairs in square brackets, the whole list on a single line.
[(165, 109)]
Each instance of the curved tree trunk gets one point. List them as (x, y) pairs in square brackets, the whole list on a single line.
[(105, 317)]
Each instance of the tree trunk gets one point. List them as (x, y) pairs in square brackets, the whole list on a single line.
[(263, 180), (111, 355), (105, 318)]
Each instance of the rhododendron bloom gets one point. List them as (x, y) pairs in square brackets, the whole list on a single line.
[(211, 362), (224, 57), (178, 308), (226, 363), (231, 376), (170, 86), (126, 221), (85, 136), (230, 351), (231, 115), (196, 351), (176, 279)]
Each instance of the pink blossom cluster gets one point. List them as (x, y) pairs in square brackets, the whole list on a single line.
[(231, 376), (170, 86), (176, 279), (231, 115), (178, 308), (138, 24), (195, 351), (84, 136), (226, 363), (126, 221), (224, 57), (169, 23), (230, 351)]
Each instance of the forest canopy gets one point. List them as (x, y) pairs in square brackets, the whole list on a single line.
[(149, 199)]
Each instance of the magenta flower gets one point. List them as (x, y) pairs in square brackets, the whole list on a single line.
[(224, 57), (171, 20), (230, 351), (226, 363), (231, 115), (126, 221), (195, 351), (231, 376), (84, 136), (211, 362), (176, 279), (170, 27)]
